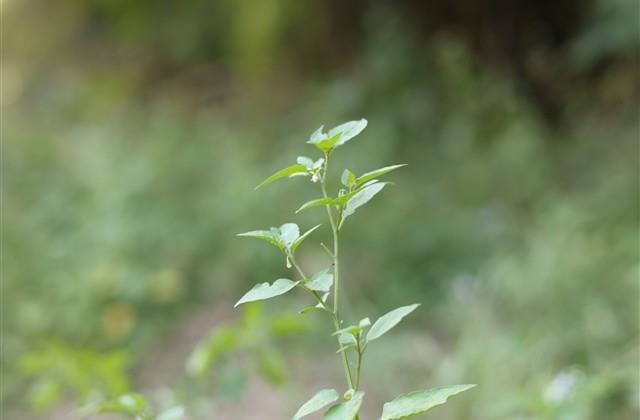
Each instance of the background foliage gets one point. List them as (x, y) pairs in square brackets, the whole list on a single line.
[(135, 132)]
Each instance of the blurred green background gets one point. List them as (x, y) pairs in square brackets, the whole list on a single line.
[(134, 133)]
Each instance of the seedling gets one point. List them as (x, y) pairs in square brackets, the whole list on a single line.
[(353, 340)]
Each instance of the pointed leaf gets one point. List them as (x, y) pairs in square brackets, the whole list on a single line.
[(298, 241), (264, 291), (361, 198), (420, 401), (348, 130), (265, 235), (315, 203), (346, 410), (389, 320), (321, 281), (317, 402), (283, 173), (378, 172)]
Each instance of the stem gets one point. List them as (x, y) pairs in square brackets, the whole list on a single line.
[(359, 365), (336, 271), (336, 321)]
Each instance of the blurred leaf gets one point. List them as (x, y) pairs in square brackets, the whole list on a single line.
[(389, 320), (283, 173), (206, 353), (45, 393), (420, 401), (317, 402), (378, 172), (131, 404), (272, 365), (346, 410), (173, 413), (287, 324), (266, 291)]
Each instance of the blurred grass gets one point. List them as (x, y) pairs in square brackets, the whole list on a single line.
[(124, 190)]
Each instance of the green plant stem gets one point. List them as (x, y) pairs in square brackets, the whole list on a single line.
[(336, 271), (359, 365)]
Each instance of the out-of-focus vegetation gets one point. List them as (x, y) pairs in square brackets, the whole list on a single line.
[(134, 133)]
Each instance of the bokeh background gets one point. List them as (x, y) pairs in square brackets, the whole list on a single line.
[(135, 131)]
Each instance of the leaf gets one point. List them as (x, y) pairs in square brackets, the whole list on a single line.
[(272, 365), (346, 410), (289, 232), (337, 136), (360, 198), (348, 178), (321, 281), (326, 142), (173, 413), (132, 404), (348, 130), (389, 320), (265, 235), (283, 173), (378, 172), (264, 291), (298, 241), (315, 203), (317, 402), (420, 401)]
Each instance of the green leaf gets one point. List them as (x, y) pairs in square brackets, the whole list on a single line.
[(131, 404), (389, 320), (283, 173), (348, 178), (346, 410), (337, 136), (264, 291), (315, 203), (173, 413), (298, 241), (420, 401), (289, 232), (321, 281), (378, 172), (265, 235), (348, 130), (324, 142), (361, 198), (317, 402)]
